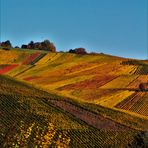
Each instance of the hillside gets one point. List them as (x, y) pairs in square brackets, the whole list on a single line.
[(66, 94), (31, 117)]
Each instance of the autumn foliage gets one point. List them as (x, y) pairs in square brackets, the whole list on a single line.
[(7, 68), (78, 51), (45, 45)]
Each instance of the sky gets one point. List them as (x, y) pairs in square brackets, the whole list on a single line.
[(117, 27)]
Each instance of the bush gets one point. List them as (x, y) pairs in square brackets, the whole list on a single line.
[(24, 46), (78, 51)]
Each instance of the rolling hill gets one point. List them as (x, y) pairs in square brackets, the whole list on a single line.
[(65, 99)]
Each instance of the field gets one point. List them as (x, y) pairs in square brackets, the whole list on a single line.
[(71, 100)]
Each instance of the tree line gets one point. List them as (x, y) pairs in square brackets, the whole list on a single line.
[(44, 45)]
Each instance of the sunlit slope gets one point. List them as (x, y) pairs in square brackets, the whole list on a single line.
[(97, 78), (65, 69), (12, 56), (32, 117), (14, 61)]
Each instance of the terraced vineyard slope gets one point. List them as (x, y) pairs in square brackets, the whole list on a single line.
[(33, 118), (65, 99)]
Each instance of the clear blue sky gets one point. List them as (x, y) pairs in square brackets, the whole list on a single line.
[(117, 27)]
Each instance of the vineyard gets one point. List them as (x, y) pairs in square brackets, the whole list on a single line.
[(142, 70), (29, 121), (7, 68), (141, 106), (32, 58), (71, 100), (137, 102)]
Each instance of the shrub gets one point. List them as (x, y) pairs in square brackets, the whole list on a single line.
[(78, 51), (140, 140), (24, 46)]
